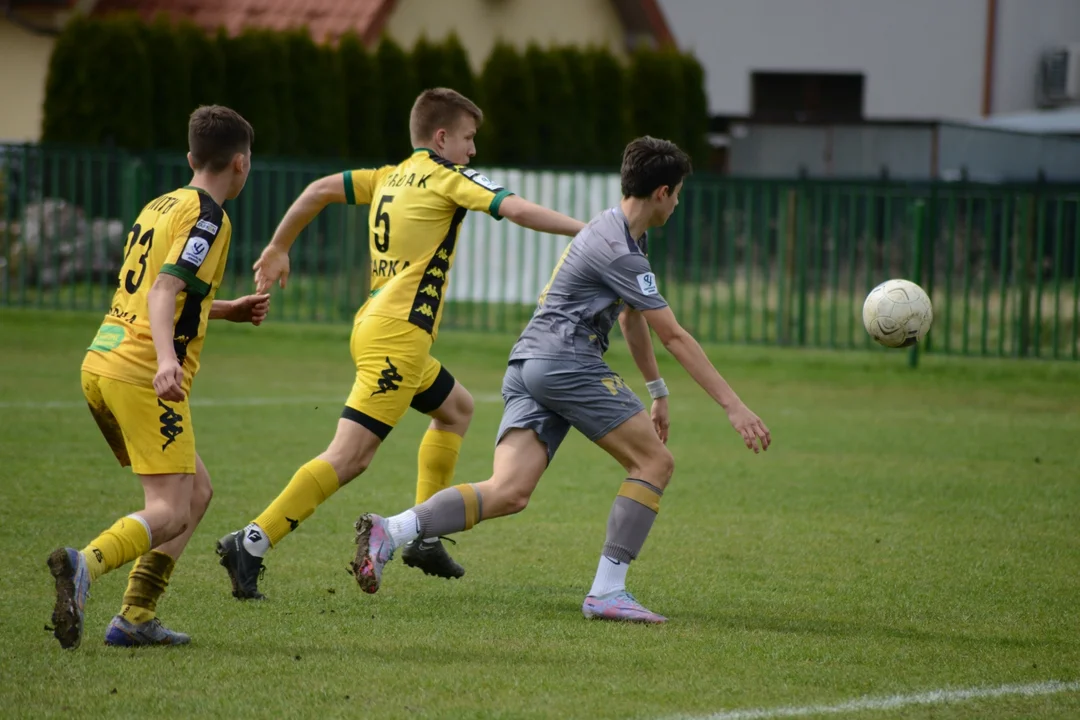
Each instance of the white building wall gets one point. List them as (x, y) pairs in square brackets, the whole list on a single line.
[(921, 58)]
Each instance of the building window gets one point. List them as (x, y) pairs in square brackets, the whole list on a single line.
[(807, 97)]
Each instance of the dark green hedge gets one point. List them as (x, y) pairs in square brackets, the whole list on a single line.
[(118, 81)]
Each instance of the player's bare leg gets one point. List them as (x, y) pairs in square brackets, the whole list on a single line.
[(166, 514), (349, 454), (137, 623), (436, 461), (520, 461), (649, 465)]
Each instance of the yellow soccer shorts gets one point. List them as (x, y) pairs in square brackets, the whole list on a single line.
[(152, 436), (394, 371)]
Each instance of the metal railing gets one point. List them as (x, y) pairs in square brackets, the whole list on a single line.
[(741, 261)]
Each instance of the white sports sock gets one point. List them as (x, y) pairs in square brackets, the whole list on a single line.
[(431, 540), (255, 540), (610, 576), (404, 528)]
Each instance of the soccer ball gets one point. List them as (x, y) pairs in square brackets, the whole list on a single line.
[(897, 313)]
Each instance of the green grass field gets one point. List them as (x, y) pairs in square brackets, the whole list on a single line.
[(908, 532)]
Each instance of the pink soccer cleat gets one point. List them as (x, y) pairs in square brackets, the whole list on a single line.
[(374, 548)]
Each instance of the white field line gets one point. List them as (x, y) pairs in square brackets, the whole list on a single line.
[(893, 702), (208, 402)]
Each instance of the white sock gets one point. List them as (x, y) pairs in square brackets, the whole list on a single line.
[(431, 541), (404, 528), (146, 526), (610, 576), (255, 540)]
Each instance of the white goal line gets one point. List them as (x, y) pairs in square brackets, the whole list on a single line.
[(892, 702)]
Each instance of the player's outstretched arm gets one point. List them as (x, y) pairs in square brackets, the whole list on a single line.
[(273, 264), (638, 338), (249, 308), (536, 217), (688, 352), (161, 305)]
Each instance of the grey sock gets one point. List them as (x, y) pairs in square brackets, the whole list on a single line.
[(631, 519), (448, 511)]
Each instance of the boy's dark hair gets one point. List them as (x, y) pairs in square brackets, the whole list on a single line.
[(215, 135), (649, 163), (440, 108)]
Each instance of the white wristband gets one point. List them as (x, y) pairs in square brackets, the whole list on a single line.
[(657, 389)]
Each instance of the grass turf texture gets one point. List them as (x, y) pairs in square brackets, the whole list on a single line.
[(908, 531)]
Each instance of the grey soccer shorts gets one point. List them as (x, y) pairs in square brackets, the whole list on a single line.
[(551, 396)]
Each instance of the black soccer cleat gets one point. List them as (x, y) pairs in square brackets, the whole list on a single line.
[(244, 568), (432, 558)]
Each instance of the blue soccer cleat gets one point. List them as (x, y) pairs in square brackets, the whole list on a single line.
[(68, 567), (122, 633)]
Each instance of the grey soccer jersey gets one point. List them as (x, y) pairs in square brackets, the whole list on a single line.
[(602, 268)]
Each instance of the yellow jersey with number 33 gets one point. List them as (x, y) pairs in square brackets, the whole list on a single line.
[(184, 233), (417, 208)]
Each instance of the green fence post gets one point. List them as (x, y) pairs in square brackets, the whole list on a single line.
[(1008, 232), (1076, 286), (748, 259), (919, 239), (1059, 235), (802, 256), (1025, 231)]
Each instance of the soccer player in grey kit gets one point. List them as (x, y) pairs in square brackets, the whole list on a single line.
[(557, 379)]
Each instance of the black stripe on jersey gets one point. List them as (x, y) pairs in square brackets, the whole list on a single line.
[(631, 244), (202, 235), (429, 294), (187, 325), (466, 172)]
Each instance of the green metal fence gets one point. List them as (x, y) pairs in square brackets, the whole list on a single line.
[(742, 261)]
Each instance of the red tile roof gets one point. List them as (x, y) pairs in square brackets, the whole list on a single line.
[(329, 19), (326, 19)]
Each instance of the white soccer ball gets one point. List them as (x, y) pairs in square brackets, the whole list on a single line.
[(897, 313)]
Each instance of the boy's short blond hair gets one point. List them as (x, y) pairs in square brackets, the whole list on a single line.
[(440, 108)]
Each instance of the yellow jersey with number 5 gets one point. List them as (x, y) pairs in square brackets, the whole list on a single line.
[(417, 208), (184, 233)]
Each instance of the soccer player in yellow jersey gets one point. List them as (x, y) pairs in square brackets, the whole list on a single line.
[(137, 375), (416, 210)]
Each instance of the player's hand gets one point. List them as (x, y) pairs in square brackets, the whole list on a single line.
[(750, 426), (660, 418), (168, 383), (250, 308), (271, 267)]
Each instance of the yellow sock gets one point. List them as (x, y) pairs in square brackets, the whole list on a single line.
[(437, 459), (127, 539), (310, 487), (146, 584)]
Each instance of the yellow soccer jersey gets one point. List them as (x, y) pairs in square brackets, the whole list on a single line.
[(183, 233), (416, 212)]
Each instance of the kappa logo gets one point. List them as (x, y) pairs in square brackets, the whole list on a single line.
[(614, 384), (647, 283), (170, 424), (389, 380), (195, 251)]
